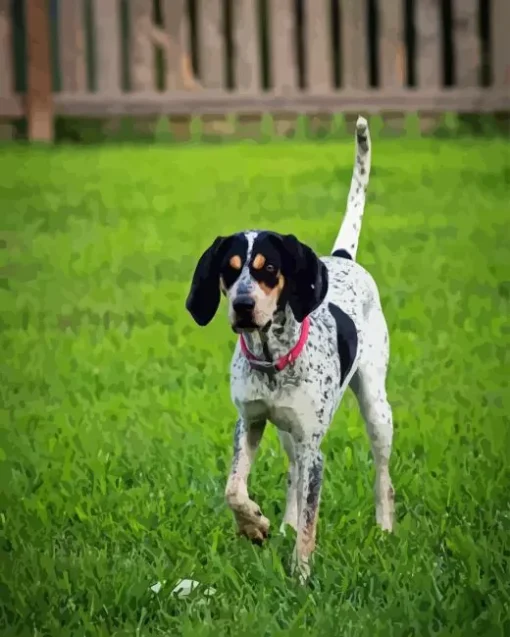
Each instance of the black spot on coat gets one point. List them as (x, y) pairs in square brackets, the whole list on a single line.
[(314, 487), (347, 340), (343, 254)]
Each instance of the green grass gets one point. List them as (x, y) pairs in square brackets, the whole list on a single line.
[(116, 422)]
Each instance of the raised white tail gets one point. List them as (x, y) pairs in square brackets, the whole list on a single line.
[(348, 235)]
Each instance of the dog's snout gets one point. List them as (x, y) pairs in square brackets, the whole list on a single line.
[(243, 304)]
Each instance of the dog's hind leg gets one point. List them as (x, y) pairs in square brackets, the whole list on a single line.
[(369, 386), (290, 516)]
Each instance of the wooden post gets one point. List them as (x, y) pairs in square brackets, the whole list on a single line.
[(466, 43), (107, 35), (211, 43), (6, 67), (318, 46), (500, 23), (246, 49), (72, 45), (428, 52), (354, 44), (142, 49), (39, 98)]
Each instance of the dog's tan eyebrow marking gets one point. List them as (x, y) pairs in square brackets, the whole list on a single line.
[(276, 290), (235, 262), (259, 261)]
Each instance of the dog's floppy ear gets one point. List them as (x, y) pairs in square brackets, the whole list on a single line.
[(204, 296), (306, 275)]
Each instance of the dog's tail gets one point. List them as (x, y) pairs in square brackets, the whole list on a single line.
[(346, 243)]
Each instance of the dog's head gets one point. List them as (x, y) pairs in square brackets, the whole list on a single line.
[(259, 273)]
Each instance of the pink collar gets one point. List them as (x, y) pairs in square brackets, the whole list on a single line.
[(283, 361)]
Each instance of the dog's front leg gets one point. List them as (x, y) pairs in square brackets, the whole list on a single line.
[(310, 467), (248, 515)]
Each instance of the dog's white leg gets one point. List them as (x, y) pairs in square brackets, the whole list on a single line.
[(310, 469), (248, 515), (291, 508), (369, 385)]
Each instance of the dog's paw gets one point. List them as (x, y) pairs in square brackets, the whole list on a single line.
[(385, 511), (255, 530), (385, 521), (251, 523), (301, 568)]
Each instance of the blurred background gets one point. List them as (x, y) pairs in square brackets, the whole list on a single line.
[(86, 70)]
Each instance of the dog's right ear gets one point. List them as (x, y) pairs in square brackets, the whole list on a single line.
[(204, 296)]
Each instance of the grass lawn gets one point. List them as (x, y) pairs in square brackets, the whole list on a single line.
[(115, 414)]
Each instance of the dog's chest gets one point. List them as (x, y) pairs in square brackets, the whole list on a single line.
[(304, 392)]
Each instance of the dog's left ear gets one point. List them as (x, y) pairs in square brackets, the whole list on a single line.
[(204, 296), (306, 275)]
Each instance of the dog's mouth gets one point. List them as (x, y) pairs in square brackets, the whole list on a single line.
[(241, 327), (244, 326)]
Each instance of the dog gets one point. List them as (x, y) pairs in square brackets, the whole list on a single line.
[(308, 328)]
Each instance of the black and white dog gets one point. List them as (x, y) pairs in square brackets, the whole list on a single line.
[(308, 328)]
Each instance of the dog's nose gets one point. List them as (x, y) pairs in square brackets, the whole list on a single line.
[(243, 304)]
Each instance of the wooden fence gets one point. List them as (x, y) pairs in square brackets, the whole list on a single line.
[(109, 58)]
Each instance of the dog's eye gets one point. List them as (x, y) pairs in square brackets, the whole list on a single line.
[(270, 268)]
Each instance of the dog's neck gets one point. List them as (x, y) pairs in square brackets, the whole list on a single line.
[(278, 340)]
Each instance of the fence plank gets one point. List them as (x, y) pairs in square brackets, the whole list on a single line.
[(189, 72), (211, 43), (354, 43), (173, 38), (246, 52), (7, 66), (466, 43), (173, 17), (391, 44), (500, 23), (318, 45), (39, 104), (106, 21), (429, 64), (72, 61), (428, 35), (282, 48), (142, 65)]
